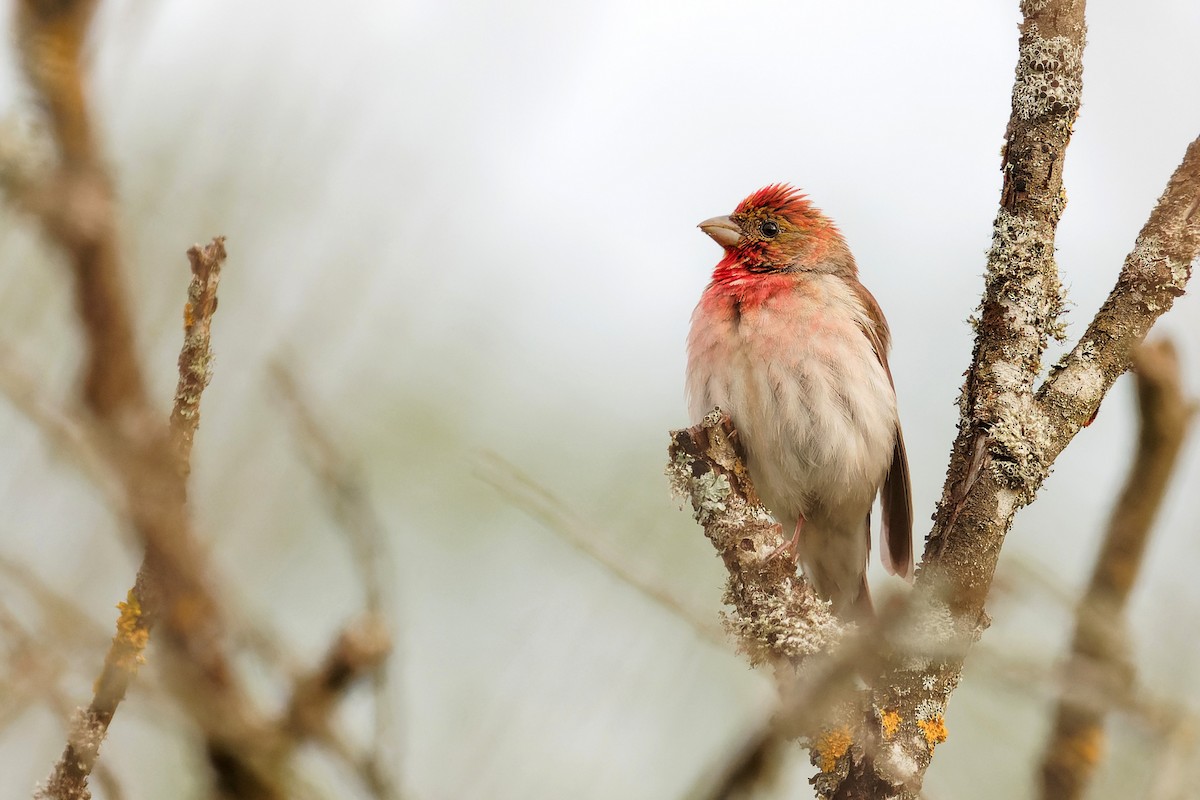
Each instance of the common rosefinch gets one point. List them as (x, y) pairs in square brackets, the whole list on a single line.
[(788, 342)]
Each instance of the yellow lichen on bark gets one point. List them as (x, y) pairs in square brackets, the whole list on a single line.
[(831, 746), (1087, 745), (934, 730), (890, 721), (132, 632)]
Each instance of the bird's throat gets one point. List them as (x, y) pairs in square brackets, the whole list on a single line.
[(747, 285)]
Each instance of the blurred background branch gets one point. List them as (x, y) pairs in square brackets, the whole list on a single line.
[(1100, 668)]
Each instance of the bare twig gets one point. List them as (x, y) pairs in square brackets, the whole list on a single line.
[(359, 651), (1100, 651), (344, 487), (139, 612), (347, 496), (753, 765), (534, 499), (195, 359), (69, 435)]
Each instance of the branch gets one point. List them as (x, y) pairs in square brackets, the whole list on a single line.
[(1155, 273), (1008, 435), (195, 359), (1100, 650), (140, 610), (74, 205), (359, 651), (346, 494), (777, 618)]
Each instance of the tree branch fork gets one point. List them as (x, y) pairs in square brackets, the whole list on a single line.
[(1011, 431)]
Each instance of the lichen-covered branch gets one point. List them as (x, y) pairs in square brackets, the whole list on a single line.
[(1008, 436), (140, 609), (1009, 433), (998, 458), (1099, 666), (195, 358), (1155, 273), (776, 617)]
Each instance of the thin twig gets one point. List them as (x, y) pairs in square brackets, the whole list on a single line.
[(359, 650), (69, 435), (29, 659), (195, 359), (345, 491), (534, 499), (138, 612)]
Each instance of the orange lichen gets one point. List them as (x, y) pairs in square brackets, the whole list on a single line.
[(934, 730), (831, 746), (890, 721), (1088, 745), (132, 631)]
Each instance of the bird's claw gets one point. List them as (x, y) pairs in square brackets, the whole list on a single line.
[(791, 547)]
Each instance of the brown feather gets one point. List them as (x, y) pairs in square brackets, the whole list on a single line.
[(895, 533)]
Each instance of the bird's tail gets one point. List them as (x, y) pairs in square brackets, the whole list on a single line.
[(834, 559), (859, 609)]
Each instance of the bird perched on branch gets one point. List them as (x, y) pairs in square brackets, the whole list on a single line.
[(788, 342)]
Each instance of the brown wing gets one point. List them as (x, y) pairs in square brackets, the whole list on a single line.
[(895, 534)]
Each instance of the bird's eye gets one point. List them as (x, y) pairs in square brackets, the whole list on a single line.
[(769, 229)]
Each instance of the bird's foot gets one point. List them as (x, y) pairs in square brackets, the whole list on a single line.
[(791, 546)]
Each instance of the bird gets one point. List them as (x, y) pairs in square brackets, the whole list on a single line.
[(789, 343)]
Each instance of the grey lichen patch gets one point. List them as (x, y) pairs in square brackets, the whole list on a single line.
[(1020, 442), (928, 633), (1155, 268), (769, 626), (1023, 278), (680, 476), (709, 493), (85, 734), (896, 762), (1007, 503), (1082, 380), (1049, 78)]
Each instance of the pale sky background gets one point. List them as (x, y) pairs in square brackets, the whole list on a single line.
[(472, 227)]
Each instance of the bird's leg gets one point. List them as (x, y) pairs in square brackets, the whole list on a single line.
[(791, 546)]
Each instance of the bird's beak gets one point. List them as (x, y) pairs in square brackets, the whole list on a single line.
[(723, 230)]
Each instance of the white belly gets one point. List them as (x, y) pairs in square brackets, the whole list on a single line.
[(811, 401)]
